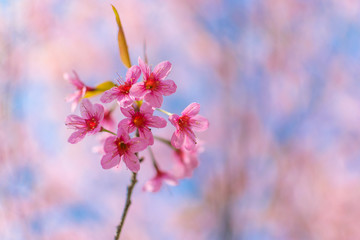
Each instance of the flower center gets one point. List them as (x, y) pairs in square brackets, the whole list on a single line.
[(138, 120), (91, 123), (125, 88), (121, 146), (183, 122), (151, 83)]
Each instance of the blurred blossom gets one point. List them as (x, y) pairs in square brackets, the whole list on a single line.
[(278, 80)]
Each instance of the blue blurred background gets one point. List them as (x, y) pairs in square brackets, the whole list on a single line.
[(277, 80)]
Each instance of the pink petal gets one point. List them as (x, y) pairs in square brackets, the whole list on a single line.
[(157, 122), (146, 134), (189, 143), (138, 90), (98, 112), (109, 160), (169, 179), (153, 185), (162, 70), (74, 80), (109, 145), (177, 139), (154, 99), (191, 110), (73, 97), (126, 101), (167, 87), (174, 120), (110, 95), (137, 144), (72, 120), (77, 136), (146, 109), (132, 162), (122, 133), (86, 108), (199, 123), (126, 125), (128, 111), (145, 69), (133, 74)]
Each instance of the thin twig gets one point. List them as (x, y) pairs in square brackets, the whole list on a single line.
[(127, 205)]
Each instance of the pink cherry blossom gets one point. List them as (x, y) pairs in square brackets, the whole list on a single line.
[(185, 124), (154, 86), (121, 147), (108, 122), (81, 89), (142, 119), (154, 184), (89, 122), (122, 92), (186, 161)]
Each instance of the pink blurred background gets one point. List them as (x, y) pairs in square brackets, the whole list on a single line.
[(277, 79)]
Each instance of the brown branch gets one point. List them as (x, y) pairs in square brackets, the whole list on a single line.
[(127, 205)]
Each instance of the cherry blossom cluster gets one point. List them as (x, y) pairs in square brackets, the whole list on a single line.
[(137, 101)]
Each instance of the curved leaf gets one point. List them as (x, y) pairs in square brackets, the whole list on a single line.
[(123, 48), (102, 87)]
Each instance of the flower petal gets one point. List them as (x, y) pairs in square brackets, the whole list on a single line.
[(75, 121), (126, 125), (110, 95), (86, 108), (153, 185), (109, 160), (128, 111), (138, 90), (126, 100), (77, 136), (133, 74), (145, 69), (162, 70), (177, 139), (154, 99), (189, 142), (98, 112), (191, 110), (137, 144), (174, 119), (109, 145), (146, 134), (146, 108), (167, 87), (169, 179), (74, 80), (132, 162), (122, 133), (199, 123), (157, 122)]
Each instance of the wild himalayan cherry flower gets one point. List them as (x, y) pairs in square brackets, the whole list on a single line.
[(141, 119), (81, 89), (154, 184), (185, 124), (154, 86), (89, 123), (186, 162), (122, 92), (121, 147)]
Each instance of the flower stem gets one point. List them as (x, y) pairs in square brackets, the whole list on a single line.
[(108, 131), (130, 189), (163, 111), (153, 159), (165, 141)]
